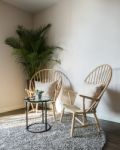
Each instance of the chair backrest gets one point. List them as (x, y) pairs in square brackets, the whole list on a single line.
[(47, 76), (44, 76), (100, 75)]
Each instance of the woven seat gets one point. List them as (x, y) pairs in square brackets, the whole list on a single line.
[(72, 108)]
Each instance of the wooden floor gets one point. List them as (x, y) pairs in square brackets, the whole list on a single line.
[(111, 129)]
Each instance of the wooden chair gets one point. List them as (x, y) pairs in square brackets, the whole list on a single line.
[(46, 76), (100, 75)]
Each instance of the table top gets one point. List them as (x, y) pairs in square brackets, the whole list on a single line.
[(33, 100)]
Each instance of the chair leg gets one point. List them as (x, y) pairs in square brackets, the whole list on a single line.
[(97, 123), (72, 126), (84, 118), (36, 109), (62, 113), (32, 107), (53, 109)]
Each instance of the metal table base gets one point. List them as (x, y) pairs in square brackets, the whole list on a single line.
[(44, 118)]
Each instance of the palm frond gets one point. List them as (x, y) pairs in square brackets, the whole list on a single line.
[(31, 48), (13, 42)]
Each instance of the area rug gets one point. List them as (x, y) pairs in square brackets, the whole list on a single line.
[(14, 136)]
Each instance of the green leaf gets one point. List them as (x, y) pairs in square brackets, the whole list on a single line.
[(31, 48)]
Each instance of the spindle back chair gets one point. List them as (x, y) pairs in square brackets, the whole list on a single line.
[(99, 76), (46, 76)]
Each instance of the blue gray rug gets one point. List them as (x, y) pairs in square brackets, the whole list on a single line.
[(14, 136)]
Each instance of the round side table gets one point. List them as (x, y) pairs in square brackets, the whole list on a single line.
[(43, 101)]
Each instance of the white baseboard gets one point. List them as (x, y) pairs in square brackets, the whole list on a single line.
[(10, 108)]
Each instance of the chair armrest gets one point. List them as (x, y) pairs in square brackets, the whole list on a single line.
[(91, 98)]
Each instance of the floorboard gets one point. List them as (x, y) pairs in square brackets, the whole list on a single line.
[(112, 131)]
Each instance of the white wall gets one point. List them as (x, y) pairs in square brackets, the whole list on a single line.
[(12, 79), (89, 32)]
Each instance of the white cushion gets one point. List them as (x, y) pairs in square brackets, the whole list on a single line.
[(90, 90), (48, 88), (58, 103), (61, 99)]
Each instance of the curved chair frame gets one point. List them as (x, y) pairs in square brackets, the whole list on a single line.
[(100, 75), (46, 76)]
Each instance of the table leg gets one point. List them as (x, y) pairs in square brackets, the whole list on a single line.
[(26, 115), (42, 113), (45, 116)]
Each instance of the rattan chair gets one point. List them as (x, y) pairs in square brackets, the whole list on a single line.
[(46, 76), (100, 75)]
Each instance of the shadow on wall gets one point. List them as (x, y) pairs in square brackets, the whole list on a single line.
[(114, 100), (113, 92)]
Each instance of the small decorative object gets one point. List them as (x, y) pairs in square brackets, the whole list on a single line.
[(39, 94)]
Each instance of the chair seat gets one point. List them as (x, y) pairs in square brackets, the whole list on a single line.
[(73, 108)]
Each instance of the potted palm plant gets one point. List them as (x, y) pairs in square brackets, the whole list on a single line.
[(31, 49)]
